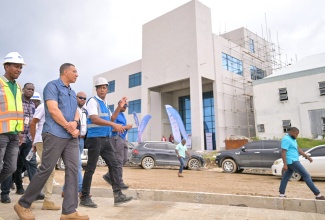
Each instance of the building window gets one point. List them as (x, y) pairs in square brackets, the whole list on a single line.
[(184, 104), (286, 124), (322, 88), (208, 117), (135, 80), (133, 135), (134, 106), (257, 73), (232, 64), (251, 45), (260, 128), (111, 108), (323, 127), (111, 86), (283, 94)]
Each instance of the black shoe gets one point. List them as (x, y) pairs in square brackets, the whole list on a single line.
[(86, 201), (120, 198), (40, 196), (5, 198), (124, 187), (107, 179), (20, 191)]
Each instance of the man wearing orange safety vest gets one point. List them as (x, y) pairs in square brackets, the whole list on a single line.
[(11, 115)]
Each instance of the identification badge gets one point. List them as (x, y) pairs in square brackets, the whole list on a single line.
[(26, 121)]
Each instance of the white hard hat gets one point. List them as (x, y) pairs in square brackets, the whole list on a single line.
[(36, 96), (101, 81), (13, 57)]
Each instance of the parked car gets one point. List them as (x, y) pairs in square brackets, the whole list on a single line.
[(316, 169), (84, 158), (255, 154), (157, 153)]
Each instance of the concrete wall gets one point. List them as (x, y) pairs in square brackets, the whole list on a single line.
[(303, 95)]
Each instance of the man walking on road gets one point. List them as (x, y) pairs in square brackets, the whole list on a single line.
[(291, 163), (60, 138), (119, 143), (26, 146), (98, 143), (11, 119)]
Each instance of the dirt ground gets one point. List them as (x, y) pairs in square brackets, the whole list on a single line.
[(212, 179)]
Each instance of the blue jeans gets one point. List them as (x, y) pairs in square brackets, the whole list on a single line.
[(181, 160), (298, 168), (9, 147), (31, 166)]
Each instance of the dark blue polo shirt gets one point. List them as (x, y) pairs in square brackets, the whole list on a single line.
[(67, 103)]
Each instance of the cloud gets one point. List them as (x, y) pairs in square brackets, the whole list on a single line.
[(98, 35)]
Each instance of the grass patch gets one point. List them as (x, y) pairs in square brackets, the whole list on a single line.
[(309, 143)]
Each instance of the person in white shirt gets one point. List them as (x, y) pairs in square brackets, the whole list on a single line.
[(36, 127)]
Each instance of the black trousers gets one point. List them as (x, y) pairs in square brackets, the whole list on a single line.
[(103, 147)]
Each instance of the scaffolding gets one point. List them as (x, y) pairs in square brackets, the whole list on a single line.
[(265, 56)]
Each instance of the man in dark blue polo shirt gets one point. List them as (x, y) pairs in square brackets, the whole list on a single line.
[(60, 139), (291, 163)]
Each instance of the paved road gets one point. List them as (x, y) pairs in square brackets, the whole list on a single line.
[(152, 210)]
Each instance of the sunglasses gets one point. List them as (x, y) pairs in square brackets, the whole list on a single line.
[(83, 98)]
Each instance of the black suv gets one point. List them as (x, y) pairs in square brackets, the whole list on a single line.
[(256, 154)]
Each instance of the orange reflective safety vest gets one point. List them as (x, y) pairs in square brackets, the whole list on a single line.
[(11, 108)]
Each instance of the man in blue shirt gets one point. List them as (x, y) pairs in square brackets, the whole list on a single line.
[(290, 156), (119, 143), (60, 138), (181, 150)]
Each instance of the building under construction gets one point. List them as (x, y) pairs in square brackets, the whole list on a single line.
[(206, 77)]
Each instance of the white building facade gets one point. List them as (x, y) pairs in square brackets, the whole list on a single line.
[(294, 96), (206, 77)]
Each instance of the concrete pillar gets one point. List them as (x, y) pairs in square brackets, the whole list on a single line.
[(196, 112)]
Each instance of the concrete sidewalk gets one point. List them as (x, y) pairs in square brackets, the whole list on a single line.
[(161, 204)]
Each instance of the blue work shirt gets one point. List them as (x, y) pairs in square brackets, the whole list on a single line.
[(290, 144), (122, 121), (67, 103)]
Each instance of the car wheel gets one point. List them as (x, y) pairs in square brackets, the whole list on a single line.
[(101, 162), (295, 176), (229, 166), (60, 164), (193, 164), (147, 163)]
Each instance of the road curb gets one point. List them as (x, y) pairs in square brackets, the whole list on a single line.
[(287, 204)]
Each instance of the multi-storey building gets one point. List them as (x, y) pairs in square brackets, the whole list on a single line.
[(205, 76)]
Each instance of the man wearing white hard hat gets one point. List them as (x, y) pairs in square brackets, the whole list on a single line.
[(11, 117), (36, 127), (98, 143)]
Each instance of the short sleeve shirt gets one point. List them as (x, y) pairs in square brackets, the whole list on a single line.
[(290, 144), (67, 103), (40, 115), (181, 149), (92, 106)]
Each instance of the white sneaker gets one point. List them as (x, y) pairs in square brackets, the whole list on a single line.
[(55, 183)]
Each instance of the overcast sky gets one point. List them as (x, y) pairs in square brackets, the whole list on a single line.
[(100, 35)]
